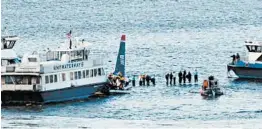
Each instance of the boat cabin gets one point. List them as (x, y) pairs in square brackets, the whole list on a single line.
[(254, 50), (8, 55)]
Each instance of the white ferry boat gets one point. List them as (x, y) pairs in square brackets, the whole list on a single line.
[(251, 68), (66, 73)]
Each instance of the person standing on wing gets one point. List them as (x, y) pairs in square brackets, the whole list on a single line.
[(196, 76)]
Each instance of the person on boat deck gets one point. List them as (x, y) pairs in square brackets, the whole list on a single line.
[(167, 77), (180, 77), (140, 80), (134, 80), (174, 78), (189, 76), (171, 78), (196, 76), (237, 57), (233, 59), (184, 76)]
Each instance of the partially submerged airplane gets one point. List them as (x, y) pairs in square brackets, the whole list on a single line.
[(120, 69)]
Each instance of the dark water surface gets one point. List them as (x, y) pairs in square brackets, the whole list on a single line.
[(162, 35)]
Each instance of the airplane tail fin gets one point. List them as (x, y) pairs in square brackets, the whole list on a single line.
[(120, 62)]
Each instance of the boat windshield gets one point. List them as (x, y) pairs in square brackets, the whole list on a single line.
[(254, 48), (8, 43)]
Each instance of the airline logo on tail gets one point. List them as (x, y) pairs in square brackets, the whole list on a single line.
[(120, 62), (122, 59)]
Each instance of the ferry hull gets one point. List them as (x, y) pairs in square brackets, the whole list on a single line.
[(54, 96), (246, 72)]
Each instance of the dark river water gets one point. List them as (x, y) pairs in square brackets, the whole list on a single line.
[(162, 36)]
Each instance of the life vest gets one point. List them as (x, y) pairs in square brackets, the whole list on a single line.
[(205, 84), (122, 78)]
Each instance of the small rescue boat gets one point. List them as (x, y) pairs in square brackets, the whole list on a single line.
[(210, 87)]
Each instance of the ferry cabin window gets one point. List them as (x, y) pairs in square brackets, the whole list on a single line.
[(62, 53), (21, 80), (80, 53), (2, 80), (46, 79), (55, 78), (72, 54), (77, 55), (99, 72), (52, 55), (91, 73), (75, 75), (87, 73), (103, 72), (56, 55), (8, 80), (79, 74), (95, 72), (63, 77), (84, 74), (33, 80), (49, 55), (28, 79), (37, 80), (51, 79), (71, 76), (32, 59), (4, 62)]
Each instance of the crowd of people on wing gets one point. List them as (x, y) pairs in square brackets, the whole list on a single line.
[(235, 58), (145, 80), (117, 82), (182, 76)]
